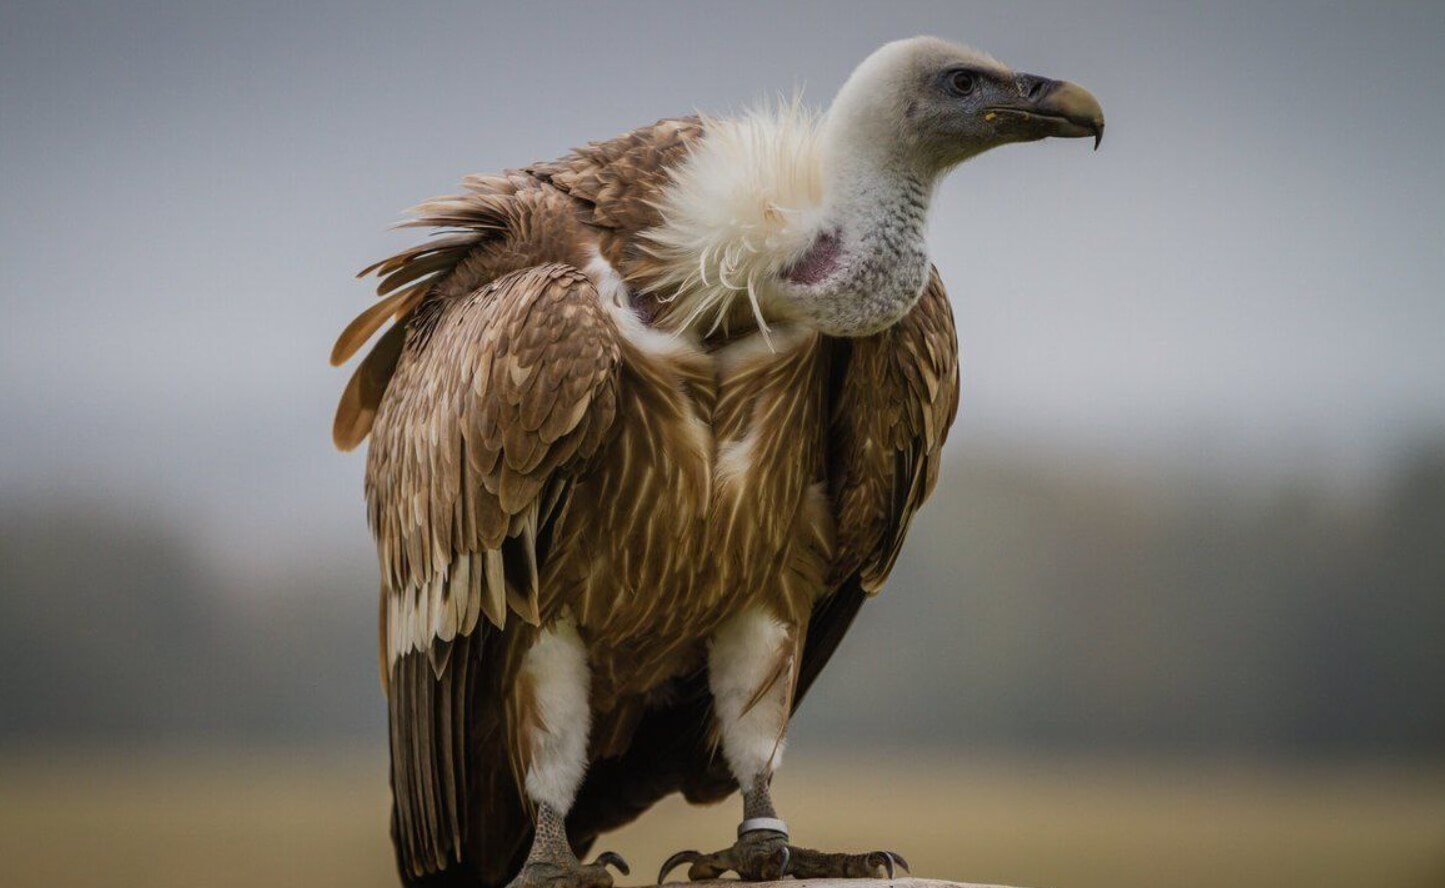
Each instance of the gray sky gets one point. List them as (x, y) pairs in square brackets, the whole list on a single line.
[(1249, 273)]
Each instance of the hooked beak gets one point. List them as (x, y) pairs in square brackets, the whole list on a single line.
[(1046, 108)]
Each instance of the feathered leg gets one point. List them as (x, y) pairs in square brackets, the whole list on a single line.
[(752, 668), (552, 715)]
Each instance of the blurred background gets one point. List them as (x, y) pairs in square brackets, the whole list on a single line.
[(1175, 615)]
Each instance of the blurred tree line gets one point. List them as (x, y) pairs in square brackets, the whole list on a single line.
[(1039, 605)]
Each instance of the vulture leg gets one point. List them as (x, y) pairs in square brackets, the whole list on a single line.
[(553, 717), (752, 668)]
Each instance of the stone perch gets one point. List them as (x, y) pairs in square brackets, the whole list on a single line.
[(906, 882)]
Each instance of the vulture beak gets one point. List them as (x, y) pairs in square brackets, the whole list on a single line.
[(1044, 108)]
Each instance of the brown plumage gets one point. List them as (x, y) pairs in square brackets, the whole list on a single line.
[(650, 425)]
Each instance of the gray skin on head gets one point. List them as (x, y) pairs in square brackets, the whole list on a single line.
[(911, 112), (958, 103)]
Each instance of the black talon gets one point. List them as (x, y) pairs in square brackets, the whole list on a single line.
[(770, 857), (615, 859), (675, 861), (887, 863)]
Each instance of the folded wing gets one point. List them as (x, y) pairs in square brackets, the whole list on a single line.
[(497, 401)]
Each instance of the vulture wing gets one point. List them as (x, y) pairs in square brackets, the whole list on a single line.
[(895, 397), (497, 401)]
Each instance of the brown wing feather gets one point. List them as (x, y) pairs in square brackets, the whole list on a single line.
[(365, 325), (482, 213), (497, 400), (362, 397)]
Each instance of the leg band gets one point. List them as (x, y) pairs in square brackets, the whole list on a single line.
[(760, 824)]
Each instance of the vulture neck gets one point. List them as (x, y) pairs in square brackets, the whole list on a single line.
[(861, 178), (874, 198), (869, 256), (781, 217)]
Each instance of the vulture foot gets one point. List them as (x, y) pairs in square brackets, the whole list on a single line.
[(574, 874), (764, 856)]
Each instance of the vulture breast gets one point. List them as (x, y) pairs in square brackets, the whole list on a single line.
[(709, 497)]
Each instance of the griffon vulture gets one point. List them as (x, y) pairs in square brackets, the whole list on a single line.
[(649, 426)]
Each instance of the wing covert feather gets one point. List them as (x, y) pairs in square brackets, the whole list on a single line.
[(497, 397)]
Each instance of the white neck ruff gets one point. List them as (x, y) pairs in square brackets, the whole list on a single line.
[(755, 196)]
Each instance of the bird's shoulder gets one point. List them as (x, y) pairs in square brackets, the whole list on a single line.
[(619, 179)]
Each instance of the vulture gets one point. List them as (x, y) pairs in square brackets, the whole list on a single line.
[(648, 425)]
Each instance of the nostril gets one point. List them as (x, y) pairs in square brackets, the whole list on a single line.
[(1037, 88)]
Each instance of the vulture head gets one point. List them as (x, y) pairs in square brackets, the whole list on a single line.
[(912, 111), (931, 104)]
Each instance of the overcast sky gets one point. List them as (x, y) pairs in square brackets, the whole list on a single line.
[(1248, 273)]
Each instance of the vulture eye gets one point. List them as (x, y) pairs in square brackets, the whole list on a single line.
[(962, 82)]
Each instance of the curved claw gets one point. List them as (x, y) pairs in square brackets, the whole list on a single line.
[(613, 859), (675, 861), (786, 854), (898, 859), (883, 859)]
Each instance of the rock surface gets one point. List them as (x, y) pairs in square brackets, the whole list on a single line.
[(902, 882)]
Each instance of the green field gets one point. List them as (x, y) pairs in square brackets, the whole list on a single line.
[(308, 819)]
